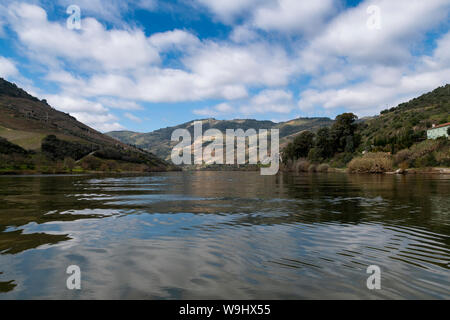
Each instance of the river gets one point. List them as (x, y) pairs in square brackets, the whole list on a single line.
[(225, 235)]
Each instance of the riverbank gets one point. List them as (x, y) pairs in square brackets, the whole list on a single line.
[(79, 172)]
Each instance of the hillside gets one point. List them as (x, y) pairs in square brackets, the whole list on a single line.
[(397, 138), (31, 125), (159, 143), (402, 126)]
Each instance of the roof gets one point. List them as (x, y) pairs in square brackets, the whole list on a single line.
[(441, 126)]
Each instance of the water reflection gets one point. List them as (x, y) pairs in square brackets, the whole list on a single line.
[(229, 235)]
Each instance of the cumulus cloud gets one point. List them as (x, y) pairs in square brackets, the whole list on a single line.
[(273, 47), (103, 123), (7, 68), (348, 37), (175, 39), (293, 15), (278, 101), (93, 47), (91, 113)]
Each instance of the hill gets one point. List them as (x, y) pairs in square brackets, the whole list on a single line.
[(402, 126), (43, 132), (397, 138), (159, 141)]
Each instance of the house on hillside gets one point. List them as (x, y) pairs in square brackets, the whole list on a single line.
[(438, 131)]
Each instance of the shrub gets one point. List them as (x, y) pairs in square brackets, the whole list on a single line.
[(371, 163), (301, 165), (404, 165), (402, 156), (312, 168), (323, 168)]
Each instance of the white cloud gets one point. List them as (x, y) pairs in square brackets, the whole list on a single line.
[(347, 39), (293, 15), (362, 70), (93, 114), (93, 47), (7, 68), (220, 109), (370, 97), (120, 104), (71, 104), (243, 34), (255, 64), (103, 123), (350, 66), (279, 101), (175, 39)]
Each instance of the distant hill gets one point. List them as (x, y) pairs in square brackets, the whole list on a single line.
[(159, 141), (27, 122)]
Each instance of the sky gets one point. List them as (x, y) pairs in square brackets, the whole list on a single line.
[(142, 65)]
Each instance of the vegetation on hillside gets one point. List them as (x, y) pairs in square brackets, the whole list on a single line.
[(336, 144), (397, 138), (7, 147), (60, 149), (35, 137)]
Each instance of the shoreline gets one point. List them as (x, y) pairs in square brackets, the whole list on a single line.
[(413, 171)]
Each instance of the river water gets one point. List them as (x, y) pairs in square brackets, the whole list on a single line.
[(225, 235)]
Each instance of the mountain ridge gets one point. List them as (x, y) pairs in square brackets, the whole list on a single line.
[(159, 141)]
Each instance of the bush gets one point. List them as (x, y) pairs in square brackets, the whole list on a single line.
[(404, 165), (402, 156), (371, 163), (301, 165), (323, 168), (312, 168)]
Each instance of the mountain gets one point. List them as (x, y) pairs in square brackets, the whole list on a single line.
[(34, 126), (159, 141)]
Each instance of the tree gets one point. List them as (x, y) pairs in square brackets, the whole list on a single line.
[(343, 132), (324, 143), (302, 144), (300, 147), (448, 131)]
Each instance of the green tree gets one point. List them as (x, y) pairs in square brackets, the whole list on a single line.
[(302, 144), (324, 143), (300, 147), (343, 132)]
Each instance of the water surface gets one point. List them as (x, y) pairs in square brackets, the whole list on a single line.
[(225, 235)]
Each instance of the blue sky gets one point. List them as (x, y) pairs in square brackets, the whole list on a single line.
[(145, 64)]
